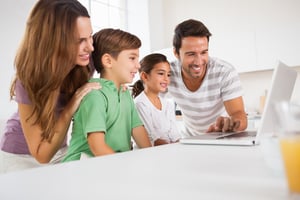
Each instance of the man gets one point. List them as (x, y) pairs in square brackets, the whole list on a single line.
[(205, 88)]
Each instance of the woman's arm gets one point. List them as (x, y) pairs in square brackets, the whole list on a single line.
[(43, 151)]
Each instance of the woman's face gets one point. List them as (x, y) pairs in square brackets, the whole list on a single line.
[(85, 41)]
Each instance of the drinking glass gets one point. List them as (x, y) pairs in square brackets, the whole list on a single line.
[(289, 139)]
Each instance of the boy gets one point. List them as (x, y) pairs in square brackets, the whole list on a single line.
[(107, 118)]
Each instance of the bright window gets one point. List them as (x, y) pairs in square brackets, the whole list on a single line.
[(107, 13)]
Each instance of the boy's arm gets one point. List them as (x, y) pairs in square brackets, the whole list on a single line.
[(97, 144), (140, 136)]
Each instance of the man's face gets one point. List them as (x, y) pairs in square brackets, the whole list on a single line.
[(193, 56)]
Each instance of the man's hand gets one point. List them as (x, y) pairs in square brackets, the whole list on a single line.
[(224, 124)]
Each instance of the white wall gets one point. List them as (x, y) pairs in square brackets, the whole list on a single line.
[(249, 34), (13, 15)]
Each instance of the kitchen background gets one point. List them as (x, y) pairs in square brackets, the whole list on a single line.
[(253, 35)]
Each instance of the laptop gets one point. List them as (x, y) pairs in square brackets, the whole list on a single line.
[(282, 85)]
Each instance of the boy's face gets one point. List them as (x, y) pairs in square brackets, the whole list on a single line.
[(126, 66)]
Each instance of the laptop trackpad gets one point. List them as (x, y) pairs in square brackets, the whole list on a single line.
[(241, 134), (216, 135), (221, 135)]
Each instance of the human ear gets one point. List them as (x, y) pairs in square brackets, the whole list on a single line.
[(106, 60), (143, 76)]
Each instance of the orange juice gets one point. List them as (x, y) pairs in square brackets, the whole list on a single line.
[(290, 149)]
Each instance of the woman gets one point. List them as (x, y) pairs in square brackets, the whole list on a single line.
[(51, 79)]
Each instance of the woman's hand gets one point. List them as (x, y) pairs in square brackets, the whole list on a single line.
[(40, 149), (80, 93)]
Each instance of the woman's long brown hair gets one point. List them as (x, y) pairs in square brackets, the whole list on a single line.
[(46, 56)]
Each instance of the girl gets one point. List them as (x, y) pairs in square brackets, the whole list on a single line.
[(157, 113)]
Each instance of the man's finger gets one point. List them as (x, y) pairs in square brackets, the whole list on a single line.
[(236, 125), (226, 124)]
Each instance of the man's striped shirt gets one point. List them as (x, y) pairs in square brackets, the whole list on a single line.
[(201, 108)]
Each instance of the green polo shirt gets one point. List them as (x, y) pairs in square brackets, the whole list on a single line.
[(107, 110)]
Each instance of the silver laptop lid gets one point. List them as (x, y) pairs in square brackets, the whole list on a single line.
[(282, 86)]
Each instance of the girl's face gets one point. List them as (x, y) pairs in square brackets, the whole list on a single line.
[(85, 41), (159, 78)]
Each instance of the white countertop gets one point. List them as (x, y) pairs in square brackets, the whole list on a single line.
[(173, 171)]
